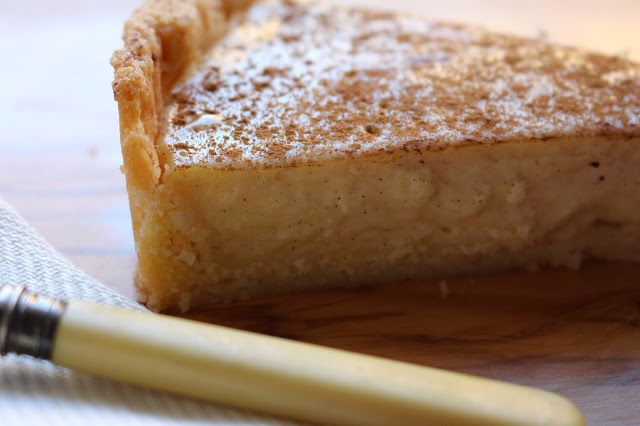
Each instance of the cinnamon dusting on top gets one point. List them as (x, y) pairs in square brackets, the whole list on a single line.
[(295, 83)]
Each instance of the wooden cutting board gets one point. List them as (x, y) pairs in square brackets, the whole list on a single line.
[(572, 332)]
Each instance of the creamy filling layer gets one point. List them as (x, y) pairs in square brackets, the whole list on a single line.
[(398, 216)]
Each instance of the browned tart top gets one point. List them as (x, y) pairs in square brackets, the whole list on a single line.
[(295, 83)]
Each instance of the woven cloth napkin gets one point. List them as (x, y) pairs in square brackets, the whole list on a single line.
[(36, 392)]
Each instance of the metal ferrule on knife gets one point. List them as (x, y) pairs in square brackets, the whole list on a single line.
[(28, 322)]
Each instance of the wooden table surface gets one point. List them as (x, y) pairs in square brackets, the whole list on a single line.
[(576, 333)]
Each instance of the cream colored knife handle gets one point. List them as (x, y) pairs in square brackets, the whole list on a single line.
[(288, 378)]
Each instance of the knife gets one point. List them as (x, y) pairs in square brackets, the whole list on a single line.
[(263, 373)]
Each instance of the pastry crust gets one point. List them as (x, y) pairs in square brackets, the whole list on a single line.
[(162, 40)]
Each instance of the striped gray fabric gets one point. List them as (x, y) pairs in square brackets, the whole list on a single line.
[(37, 392)]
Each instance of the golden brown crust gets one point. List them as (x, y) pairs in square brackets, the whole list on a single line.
[(162, 39)]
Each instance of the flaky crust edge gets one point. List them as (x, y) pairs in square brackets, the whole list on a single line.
[(163, 39)]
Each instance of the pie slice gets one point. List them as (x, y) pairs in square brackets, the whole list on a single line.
[(288, 146)]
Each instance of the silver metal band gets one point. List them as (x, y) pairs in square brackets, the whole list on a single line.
[(28, 321)]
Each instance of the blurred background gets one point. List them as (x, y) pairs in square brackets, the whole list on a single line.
[(59, 146)]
